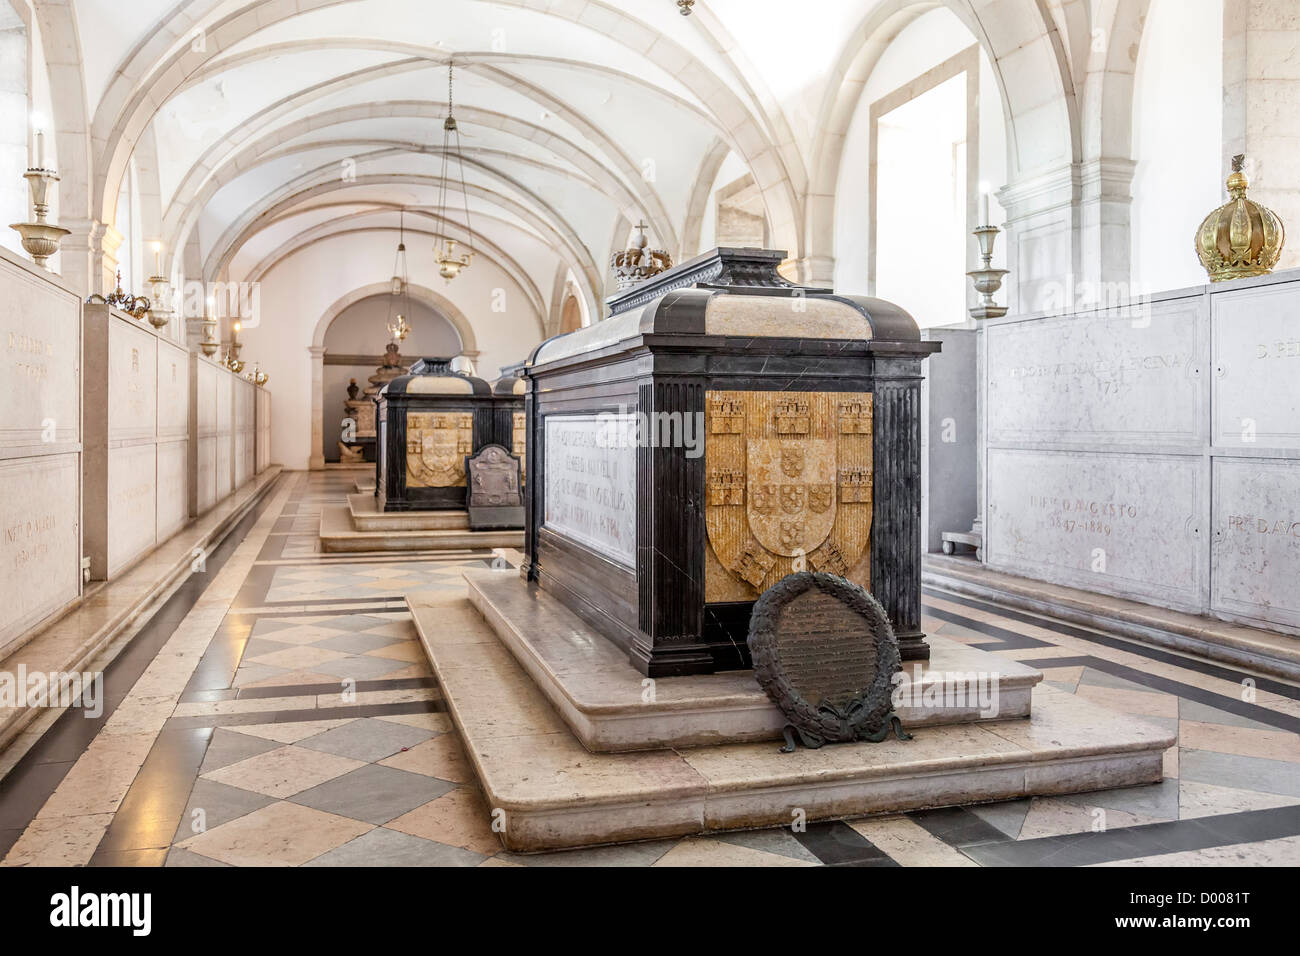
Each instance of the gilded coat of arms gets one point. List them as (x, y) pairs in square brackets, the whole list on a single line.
[(436, 446), (789, 488)]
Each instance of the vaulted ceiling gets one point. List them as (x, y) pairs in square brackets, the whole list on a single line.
[(272, 125), (255, 127)]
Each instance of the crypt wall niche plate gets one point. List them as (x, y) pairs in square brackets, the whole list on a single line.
[(788, 487), (825, 653), (436, 446)]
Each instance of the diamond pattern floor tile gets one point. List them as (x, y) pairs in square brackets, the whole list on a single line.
[(374, 794), (284, 771), (367, 739), (282, 834)]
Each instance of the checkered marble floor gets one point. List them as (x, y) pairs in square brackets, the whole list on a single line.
[(312, 733)]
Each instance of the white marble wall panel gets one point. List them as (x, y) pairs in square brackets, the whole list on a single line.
[(243, 425), (225, 419), (206, 473), (1257, 367), (173, 487), (262, 450), (1099, 379), (206, 376), (1124, 524), (40, 540), (132, 382), (225, 468), (40, 367), (132, 503), (41, 343), (1256, 572), (173, 391)]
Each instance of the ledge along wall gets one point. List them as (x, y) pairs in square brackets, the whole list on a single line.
[(40, 447), (1152, 453)]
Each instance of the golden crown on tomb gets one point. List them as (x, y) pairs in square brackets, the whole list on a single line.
[(1241, 238)]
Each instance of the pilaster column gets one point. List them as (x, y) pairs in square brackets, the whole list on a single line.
[(1105, 230), (317, 460), (79, 256), (1261, 86), (816, 271), (109, 244)]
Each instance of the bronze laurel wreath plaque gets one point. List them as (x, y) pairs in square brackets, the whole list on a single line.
[(825, 653)]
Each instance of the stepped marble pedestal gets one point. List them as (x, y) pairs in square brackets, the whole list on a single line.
[(361, 526), (603, 698), (576, 748)]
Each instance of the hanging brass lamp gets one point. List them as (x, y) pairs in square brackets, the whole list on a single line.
[(1241, 238), (451, 264)]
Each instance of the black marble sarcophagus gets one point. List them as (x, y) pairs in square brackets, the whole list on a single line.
[(721, 429), (427, 423)]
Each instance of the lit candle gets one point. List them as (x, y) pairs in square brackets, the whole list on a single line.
[(157, 258), (38, 124), (234, 332)]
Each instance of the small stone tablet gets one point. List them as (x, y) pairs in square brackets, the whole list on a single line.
[(495, 497), (825, 653)]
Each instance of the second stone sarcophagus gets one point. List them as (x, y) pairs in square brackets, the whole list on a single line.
[(428, 423), (720, 430)]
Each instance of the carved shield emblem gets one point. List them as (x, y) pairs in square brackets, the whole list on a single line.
[(792, 460), (788, 477), (794, 527), (436, 448), (762, 499), (438, 454)]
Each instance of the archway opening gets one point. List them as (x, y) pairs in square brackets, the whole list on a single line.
[(354, 347)]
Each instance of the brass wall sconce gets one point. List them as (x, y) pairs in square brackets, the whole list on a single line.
[(40, 238)]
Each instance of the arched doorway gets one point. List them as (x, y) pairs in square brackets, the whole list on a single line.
[(434, 304), (354, 343)]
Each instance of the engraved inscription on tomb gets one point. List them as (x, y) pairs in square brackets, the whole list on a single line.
[(590, 478), (1108, 379), (831, 655), (1083, 516), (26, 353)]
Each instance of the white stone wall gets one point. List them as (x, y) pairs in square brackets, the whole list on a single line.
[(1152, 452), (137, 439), (40, 447), (262, 421), (224, 413)]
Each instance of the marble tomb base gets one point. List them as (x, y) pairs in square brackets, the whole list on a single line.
[(600, 696), (361, 526), (523, 709)]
